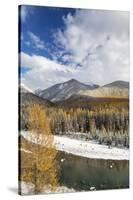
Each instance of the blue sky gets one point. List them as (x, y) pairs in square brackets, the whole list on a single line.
[(57, 44), (42, 22)]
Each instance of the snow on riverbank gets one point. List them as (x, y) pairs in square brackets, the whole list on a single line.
[(28, 189), (89, 149)]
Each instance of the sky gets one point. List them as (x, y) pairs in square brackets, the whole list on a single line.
[(58, 44)]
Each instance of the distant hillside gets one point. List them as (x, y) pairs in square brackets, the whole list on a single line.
[(64, 90), (118, 84), (117, 89), (74, 93), (82, 101), (28, 97), (24, 89)]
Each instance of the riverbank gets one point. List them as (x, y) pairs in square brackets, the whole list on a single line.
[(28, 189), (88, 149)]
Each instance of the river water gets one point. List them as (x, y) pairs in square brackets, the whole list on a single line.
[(83, 174)]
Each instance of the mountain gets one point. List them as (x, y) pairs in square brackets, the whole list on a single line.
[(117, 89), (26, 96), (24, 89), (118, 84), (63, 91)]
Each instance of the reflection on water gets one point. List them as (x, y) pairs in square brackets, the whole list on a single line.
[(84, 173)]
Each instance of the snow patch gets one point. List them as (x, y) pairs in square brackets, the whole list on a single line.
[(28, 189), (88, 149), (26, 89), (61, 86), (24, 150)]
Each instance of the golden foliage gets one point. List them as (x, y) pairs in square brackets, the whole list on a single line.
[(37, 155)]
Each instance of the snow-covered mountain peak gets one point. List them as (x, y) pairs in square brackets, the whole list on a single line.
[(64, 90)]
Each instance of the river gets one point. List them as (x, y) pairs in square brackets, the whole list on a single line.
[(83, 174)]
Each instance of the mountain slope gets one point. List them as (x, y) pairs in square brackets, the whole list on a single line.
[(83, 101), (64, 90), (26, 96), (117, 89), (118, 84), (24, 89)]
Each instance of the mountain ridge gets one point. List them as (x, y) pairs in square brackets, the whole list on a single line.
[(116, 89), (27, 96), (119, 83), (62, 91)]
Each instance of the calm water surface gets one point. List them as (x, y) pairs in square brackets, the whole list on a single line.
[(86, 174)]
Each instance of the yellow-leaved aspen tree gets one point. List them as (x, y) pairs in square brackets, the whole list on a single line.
[(38, 164)]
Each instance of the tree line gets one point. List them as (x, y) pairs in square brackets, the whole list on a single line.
[(108, 124)]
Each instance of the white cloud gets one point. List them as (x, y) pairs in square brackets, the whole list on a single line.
[(43, 72), (98, 41), (36, 41), (25, 12)]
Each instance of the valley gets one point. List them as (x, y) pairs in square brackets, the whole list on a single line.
[(88, 123)]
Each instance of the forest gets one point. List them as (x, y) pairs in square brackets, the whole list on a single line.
[(107, 123)]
